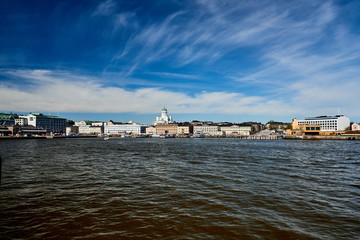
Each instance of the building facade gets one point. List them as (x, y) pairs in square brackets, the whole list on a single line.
[(184, 129), (166, 129), (327, 124), (355, 127), (22, 121), (51, 124), (151, 130), (235, 130), (211, 130), (130, 128)]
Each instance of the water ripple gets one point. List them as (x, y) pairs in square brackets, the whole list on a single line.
[(179, 189)]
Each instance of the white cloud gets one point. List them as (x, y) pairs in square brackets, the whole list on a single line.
[(63, 92), (51, 91)]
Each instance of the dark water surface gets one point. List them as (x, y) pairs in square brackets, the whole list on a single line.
[(179, 189)]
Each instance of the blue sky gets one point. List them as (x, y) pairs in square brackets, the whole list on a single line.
[(206, 60)]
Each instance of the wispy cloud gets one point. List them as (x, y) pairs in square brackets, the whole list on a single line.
[(105, 8), (174, 75)]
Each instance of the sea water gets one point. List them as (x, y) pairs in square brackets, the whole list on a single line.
[(179, 189)]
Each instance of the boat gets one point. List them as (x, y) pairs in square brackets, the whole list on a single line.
[(198, 135)]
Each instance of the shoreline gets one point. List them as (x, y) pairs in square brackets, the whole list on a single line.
[(251, 137), (309, 137)]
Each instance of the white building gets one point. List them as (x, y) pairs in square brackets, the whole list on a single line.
[(98, 124), (80, 123), (212, 130), (164, 118), (84, 129), (130, 128), (235, 130), (336, 123), (22, 121)]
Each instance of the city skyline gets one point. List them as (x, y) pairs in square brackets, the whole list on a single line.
[(231, 61)]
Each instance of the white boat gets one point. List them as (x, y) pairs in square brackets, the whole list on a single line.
[(198, 135)]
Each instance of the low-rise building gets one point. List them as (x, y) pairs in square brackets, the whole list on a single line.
[(166, 129), (4, 131), (28, 130), (183, 129), (151, 130), (129, 128), (96, 130), (211, 130), (355, 127), (21, 120), (84, 129), (236, 130), (327, 124), (72, 130), (322, 125)]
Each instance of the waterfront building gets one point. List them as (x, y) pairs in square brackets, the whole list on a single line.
[(52, 124), (185, 129), (165, 129), (129, 128), (7, 119), (21, 120), (72, 130), (27, 130), (4, 131), (90, 130), (256, 127), (96, 130), (84, 129), (355, 127), (322, 125), (163, 118), (151, 130), (211, 130), (236, 130), (327, 124)]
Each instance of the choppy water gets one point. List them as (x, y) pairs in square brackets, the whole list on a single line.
[(179, 189)]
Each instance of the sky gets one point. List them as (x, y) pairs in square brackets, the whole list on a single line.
[(228, 60)]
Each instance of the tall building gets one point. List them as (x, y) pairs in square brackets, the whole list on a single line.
[(164, 118)]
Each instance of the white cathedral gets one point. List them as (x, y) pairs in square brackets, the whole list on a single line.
[(164, 118)]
